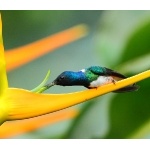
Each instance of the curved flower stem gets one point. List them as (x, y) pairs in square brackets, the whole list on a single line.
[(25, 104)]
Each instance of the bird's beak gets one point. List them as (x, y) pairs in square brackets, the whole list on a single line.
[(50, 85)]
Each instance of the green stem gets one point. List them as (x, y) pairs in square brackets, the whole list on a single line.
[(40, 88)]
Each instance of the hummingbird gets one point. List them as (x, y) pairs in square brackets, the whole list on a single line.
[(91, 77)]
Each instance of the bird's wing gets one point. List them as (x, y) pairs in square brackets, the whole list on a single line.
[(114, 73), (105, 71), (97, 70)]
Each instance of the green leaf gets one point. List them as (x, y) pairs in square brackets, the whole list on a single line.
[(120, 36), (138, 44), (136, 65), (92, 121), (129, 112), (142, 132)]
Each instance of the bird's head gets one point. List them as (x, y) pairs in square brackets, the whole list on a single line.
[(64, 79)]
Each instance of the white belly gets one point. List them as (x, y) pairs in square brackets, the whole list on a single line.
[(101, 81)]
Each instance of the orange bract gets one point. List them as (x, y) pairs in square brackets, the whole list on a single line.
[(24, 54), (13, 128)]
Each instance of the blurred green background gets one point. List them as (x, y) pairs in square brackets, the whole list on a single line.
[(118, 40)]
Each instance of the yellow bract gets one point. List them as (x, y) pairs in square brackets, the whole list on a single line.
[(3, 77), (25, 104)]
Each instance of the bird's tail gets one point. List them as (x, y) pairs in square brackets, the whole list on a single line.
[(129, 88)]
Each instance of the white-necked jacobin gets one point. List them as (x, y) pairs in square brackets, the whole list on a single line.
[(91, 77)]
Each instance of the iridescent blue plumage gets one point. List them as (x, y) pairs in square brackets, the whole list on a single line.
[(69, 78), (91, 77)]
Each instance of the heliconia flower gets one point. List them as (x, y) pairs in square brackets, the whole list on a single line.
[(16, 104), (17, 57)]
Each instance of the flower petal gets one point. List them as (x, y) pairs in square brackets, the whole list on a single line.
[(25, 104)]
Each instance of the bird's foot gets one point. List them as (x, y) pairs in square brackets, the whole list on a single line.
[(113, 81)]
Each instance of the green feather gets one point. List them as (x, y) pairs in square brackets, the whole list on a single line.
[(90, 75), (97, 70)]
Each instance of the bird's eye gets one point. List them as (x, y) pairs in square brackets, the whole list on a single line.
[(62, 77)]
